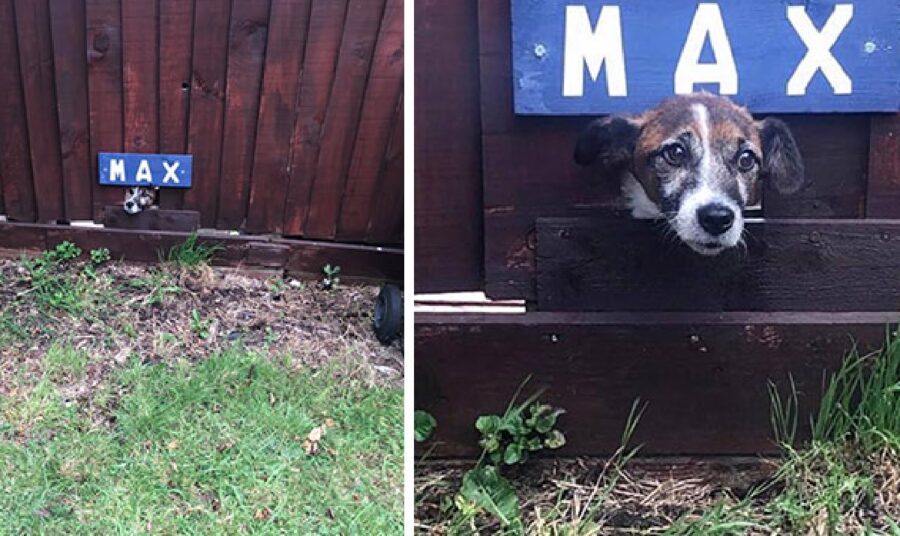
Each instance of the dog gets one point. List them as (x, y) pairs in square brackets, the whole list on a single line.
[(695, 161), (138, 198)]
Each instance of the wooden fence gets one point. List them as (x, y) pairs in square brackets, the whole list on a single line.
[(292, 110), (613, 313)]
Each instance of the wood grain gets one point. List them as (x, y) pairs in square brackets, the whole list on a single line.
[(104, 58), (36, 65), (15, 156), (703, 376), (386, 222), (448, 167), (326, 26), (383, 87), (246, 53), (68, 29), (342, 117), (184, 221), (277, 110), (176, 30), (787, 265), (211, 23), (883, 192)]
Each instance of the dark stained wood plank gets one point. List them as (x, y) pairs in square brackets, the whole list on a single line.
[(326, 25), (703, 376), (271, 164), (297, 257), (152, 220), (36, 65), (448, 185), (140, 76), (104, 58), (246, 52), (386, 223), (211, 20), (176, 30), (342, 117), (787, 265), (67, 21), (835, 151), (883, 193), (383, 89), (15, 156)]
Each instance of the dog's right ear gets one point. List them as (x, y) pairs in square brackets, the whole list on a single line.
[(610, 139)]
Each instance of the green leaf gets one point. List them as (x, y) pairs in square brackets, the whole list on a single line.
[(514, 424), (485, 487), (513, 454), (554, 440), (424, 425), (488, 424), (534, 443), (546, 419), (490, 443)]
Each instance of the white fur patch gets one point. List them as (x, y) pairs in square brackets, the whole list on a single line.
[(642, 208)]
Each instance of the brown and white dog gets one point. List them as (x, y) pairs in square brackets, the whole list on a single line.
[(138, 198), (696, 161)]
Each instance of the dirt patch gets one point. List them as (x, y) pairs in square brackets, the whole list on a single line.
[(122, 312)]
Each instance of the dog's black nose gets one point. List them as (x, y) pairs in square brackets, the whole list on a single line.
[(715, 219)]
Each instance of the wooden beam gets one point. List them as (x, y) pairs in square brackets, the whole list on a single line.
[(788, 265), (883, 195), (297, 257), (703, 376)]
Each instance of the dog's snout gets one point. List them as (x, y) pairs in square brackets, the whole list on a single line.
[(715, 219)]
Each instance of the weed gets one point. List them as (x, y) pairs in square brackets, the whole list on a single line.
[(63, 361), (331, 279), (192, 253), (199, 325), (425, 424), (100, 256)]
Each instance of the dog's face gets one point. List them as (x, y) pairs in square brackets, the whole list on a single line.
[(697, 161), (137, 199)]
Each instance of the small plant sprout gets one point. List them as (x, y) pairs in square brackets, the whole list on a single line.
[(199, 325), (425, 424), (331, 279), (99, 256), (192, 253)]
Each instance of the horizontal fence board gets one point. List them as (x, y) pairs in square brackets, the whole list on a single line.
[(703, 376), (787, 265), (152, 220), (297, 257)]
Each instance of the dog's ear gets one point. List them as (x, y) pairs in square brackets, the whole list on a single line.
[(782, 164), (610, 140)]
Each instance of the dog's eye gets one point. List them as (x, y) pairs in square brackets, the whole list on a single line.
[(675, 154), (746, 160)]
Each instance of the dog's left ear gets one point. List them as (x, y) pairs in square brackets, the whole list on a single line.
[(610, 140), (782, 163)]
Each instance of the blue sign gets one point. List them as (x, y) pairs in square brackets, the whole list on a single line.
[(149, 170), (594, 57)]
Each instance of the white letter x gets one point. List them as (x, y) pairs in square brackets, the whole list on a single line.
[(818, 55), (170, 172)]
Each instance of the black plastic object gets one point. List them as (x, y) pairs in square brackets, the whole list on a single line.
[(388, 314)]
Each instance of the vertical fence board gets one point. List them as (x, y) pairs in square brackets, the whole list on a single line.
[(271, 164), (176, 31), (15, 159), (342, 118), (70, 69), (246, 52), (386, 223), (326, 27), (211, 19), (140, 72), (104, 56), (382, 91), (36, 63), (883, 192)]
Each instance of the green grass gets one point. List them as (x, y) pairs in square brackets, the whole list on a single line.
[(192, 253), (214, 447)]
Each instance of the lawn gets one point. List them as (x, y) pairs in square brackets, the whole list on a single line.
[(177, 399)]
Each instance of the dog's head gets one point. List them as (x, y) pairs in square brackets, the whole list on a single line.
[(137, 199), (698, 160)]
